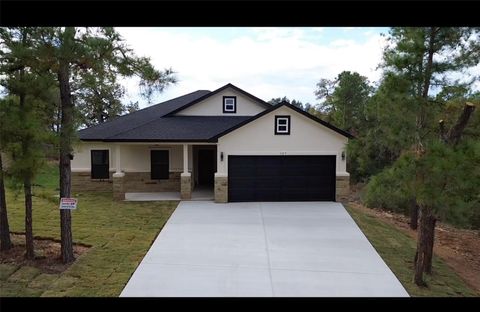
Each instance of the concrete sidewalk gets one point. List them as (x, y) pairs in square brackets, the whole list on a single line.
[(290, 249)]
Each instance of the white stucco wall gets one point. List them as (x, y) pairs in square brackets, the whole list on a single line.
[(133, 158), (307, 137), (213, 106), (82, 157)]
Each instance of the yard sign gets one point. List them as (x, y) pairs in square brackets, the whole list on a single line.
[(68, 203)]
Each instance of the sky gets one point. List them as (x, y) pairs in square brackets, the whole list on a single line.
[(268, 62)]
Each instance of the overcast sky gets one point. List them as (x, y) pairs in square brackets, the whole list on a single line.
[(267, 62)]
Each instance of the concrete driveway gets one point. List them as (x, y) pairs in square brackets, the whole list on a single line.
[(293, 249)]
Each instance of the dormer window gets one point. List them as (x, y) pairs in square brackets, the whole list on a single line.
[(282, 125), (230, 104)]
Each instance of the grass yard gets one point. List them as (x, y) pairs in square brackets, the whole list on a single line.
[(120, 234), (398, 250)]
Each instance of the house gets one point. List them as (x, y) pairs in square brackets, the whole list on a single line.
[(228, 141)]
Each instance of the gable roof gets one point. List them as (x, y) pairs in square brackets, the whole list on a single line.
[(298, 110), (138, 118), (228, 85), (155, 123)]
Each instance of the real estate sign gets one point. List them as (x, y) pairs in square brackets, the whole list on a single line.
[(68, 203)]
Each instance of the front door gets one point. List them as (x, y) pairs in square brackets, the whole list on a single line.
[(206, 166)]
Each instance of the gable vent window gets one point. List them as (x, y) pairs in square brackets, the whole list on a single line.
[(100, 164), (282, 124), (230, 104)]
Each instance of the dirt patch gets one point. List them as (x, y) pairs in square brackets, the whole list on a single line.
[(47, 254), (460, 249)]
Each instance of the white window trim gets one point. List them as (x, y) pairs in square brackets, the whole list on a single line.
[(232, 105), (286, 125)]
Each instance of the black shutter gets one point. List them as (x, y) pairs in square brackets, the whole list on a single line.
[(100, 164), (159, 165)]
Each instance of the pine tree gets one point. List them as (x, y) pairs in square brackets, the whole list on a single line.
[(24, 134), (424, 57), (75, 54)]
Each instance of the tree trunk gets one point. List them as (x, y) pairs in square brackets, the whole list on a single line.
[(430, 240), (413, 214), (455, 133), (5, 242), (27, 181), (27, 188), (66, 131), (422, 245)]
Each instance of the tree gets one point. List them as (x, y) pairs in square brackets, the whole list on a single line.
[(23, 139), (98, 98), (427, 57), (74, 54), (345, 99), (387, 130), (5, 241), (275, 101)]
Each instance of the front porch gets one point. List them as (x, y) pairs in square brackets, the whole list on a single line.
[(194, 180), (149, 171), (199, 193)]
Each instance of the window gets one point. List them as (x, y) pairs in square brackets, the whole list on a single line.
[(230, 104), (282, 124), (159, 164), (100, 164)]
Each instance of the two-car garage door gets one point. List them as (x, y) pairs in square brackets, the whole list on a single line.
[(281, 178)]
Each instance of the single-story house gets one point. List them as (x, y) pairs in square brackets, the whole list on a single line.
[(229, 141)]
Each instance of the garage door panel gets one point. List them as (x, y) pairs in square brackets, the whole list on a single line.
[(266, 183), (281, 178)]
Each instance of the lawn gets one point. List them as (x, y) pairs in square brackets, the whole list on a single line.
[(398, 250), (120, 234)]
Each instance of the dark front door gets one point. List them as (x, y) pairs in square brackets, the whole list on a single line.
[(206, 166), (281, 178)]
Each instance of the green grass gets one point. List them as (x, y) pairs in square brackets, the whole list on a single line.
[(398, 250), (120, 234)]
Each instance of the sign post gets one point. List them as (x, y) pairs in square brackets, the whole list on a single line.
[(68, 203)]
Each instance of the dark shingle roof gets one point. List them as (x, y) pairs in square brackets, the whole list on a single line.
[(151, 124), (180, 128), (130, 121)]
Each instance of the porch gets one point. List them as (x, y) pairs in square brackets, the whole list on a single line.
[(147, 171), (199, 193), (189, 173)]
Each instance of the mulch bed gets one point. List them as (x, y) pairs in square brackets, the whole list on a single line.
[(47, 254)]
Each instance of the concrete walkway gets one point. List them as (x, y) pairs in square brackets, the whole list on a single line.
[(197, 194), (262, 249)]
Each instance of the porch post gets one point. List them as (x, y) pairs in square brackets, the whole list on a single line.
[(185, 158), (185, 177), (118, 176)]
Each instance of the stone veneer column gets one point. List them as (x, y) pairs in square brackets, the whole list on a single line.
[(186, 185), (221, 188), (342, 187), (118, 186)]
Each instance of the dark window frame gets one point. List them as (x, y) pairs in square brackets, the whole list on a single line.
[(234, 105), (288, 125), (95, 168), (163, 175)]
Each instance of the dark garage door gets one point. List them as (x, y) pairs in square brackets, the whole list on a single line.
[(281, 178)]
